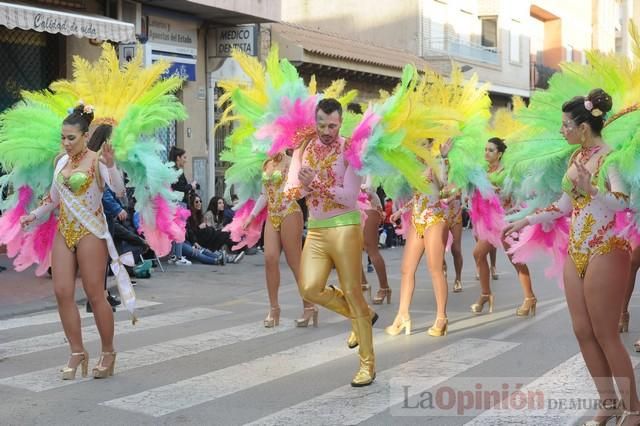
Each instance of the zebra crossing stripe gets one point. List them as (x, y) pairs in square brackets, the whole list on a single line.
[(567, 381), (90, 333), (49, 378), (53, 317), (339, 407), (197, 390)]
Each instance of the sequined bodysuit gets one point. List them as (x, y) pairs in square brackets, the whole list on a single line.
[(592, 230), (427, 209), (85, 191), (273, 197), (70, 228)]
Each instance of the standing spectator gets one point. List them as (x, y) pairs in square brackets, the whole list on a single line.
[(389, 226)]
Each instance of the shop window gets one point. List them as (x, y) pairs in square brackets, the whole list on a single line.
[(32, 63)]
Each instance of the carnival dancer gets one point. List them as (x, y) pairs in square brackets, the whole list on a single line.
[(282, 232), (78, 182), (597, 268), (133, 102), (321, 173), (493, 153), (271, 114), (429, 233)]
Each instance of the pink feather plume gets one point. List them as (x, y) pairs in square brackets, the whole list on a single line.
[(487, 216), (170, 225), (626, 227), (37, 246), (282, 131), (11, 233), (250, 236), (541, 241), (359, 137)]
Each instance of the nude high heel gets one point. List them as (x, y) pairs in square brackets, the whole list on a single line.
[(102, 372), (477, 307), (528, 307), (273, 319), (309, 314), (381, 295), (69, 373), (397, 327), (438, 331)]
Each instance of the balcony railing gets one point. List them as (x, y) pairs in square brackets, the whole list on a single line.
[(462, 49)]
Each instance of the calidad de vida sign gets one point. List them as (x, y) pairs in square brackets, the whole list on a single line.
[(242, 38), (64, 25)]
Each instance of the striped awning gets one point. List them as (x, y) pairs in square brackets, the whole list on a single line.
[(66, 23)]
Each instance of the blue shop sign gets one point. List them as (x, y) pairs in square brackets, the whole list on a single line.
[(181, 69)]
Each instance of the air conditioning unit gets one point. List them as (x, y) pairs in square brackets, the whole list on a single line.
[(131, 12)]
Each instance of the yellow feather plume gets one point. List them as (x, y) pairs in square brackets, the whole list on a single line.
[(126, 86)]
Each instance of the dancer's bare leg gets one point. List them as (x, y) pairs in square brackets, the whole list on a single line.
[(90, 248), (291, 240), (272, 250), (64, 287), (456, 250), (371, 246), (413, 251), (594, 304), (435, 242)]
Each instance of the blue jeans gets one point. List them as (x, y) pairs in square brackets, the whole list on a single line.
[(204, 255)]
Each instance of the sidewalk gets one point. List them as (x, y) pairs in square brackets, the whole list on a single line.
[(24, 292)]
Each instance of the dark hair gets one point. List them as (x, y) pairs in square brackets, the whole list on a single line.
[(78, 117), (174, 153), (354, 108), (499, 143), (197, 217), (100, 135), (600, 104), (328, 106), (213, 208)]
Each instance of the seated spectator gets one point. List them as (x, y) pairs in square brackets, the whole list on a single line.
[(199, 232)]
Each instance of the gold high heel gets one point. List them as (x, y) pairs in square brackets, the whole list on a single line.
[(494, 274), (528, 307), (102, 372), (273, 318), (457, 286), (623, 323), (617, 413), (381, 295), (438, 332), (366, 288), (477, 307), (309, 314), (623, 417), (69, 373), (396, 328)]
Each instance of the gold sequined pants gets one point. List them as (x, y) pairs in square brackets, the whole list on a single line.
[(340, 247)]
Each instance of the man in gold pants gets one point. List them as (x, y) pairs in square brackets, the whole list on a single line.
[(320, 172)]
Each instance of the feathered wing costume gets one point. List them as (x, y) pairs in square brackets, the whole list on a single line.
[(539, 155), (273, 112), (136, 102)]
